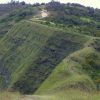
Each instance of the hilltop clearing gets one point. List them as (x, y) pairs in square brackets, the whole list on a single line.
[(44, 13)]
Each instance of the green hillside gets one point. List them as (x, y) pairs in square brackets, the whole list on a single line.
[(17, 13), (80, 70), (56, 57), (29, 52)]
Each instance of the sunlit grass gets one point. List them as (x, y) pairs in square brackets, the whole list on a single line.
[(9, 96), (78, 95), (65, 95)]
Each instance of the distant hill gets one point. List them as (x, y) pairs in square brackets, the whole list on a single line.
[(5, 9), (85, 20)]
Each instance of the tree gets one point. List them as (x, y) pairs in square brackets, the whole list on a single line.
[(23, 3)]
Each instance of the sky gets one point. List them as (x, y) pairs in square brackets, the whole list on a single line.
[(91, 3)]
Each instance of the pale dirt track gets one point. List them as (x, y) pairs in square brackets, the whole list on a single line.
[(44, 13)]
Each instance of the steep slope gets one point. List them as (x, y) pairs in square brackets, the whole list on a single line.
[(80, 70), (29, 52)]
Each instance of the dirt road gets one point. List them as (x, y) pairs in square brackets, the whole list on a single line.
[(44, 13)]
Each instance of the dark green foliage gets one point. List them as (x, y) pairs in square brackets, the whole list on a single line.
[(16, 15), (54, 6), (23, 14), (5, 9), (84, 19), (23, 2)]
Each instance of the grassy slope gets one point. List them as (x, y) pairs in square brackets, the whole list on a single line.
[(5, 9), (80, 70), (29, 52)]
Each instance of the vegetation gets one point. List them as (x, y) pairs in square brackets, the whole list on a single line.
[(9, 96), (74, 72), (65, 95), (14, 16), (54, 58), (83, 19), (29, 47)]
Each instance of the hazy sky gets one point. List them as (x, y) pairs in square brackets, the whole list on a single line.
[(92, 3)]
